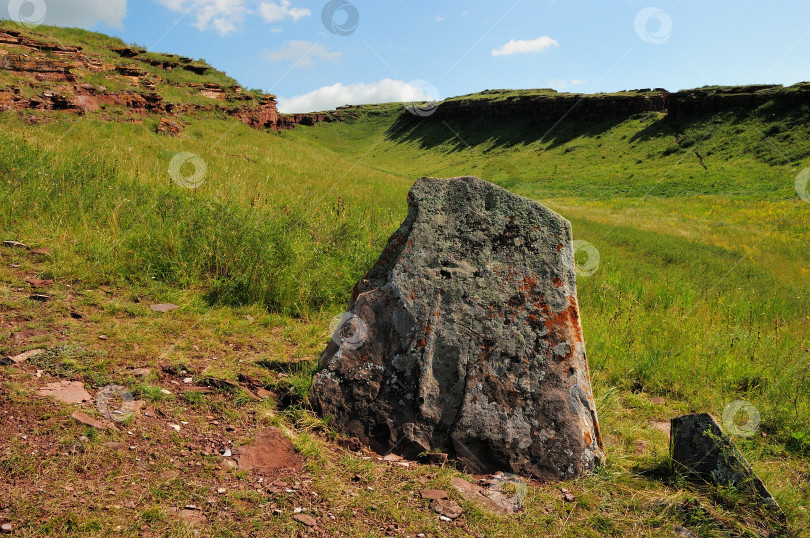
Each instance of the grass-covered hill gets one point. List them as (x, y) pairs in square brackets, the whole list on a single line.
[(701, 298)]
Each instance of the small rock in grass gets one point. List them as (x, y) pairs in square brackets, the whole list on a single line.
[(193, 517), (91, 421), (175, 427), (6, 528), (447, 508), (40, 283), (165, 307), (187, 380), (701, 450), (165, 391), (569, 498), (683, 532), (22, 357), (66, 391), (102, 337), (433, 494), (307, 520), (222, 491)]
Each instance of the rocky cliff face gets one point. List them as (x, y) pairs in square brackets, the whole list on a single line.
[(550, 106), (44, 75)]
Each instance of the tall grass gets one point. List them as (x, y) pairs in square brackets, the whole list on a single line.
[(294, 252)]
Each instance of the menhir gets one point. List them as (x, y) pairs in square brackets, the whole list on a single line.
[(465, 338)]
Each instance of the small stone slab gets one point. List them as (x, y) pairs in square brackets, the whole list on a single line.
[(307, 520), (22, 357), (164, 307), (447, 508), (270, 452), (192, 517), (100, 424), (71, 392), (39, 283), (701, 449), (485, 497), (15, 244), (433, 494)]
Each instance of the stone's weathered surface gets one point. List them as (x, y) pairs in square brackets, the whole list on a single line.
[(699, 447), (470, 340)]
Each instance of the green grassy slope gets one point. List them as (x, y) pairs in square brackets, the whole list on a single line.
[(701, 296), (702, 292)]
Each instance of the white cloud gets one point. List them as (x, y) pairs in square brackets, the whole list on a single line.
[(222, 15), (274, 12), (225, 16), (562, 83), (305, 53), (330, 97), (541, 44), (80, 13)]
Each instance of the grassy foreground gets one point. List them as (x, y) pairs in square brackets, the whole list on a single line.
[(701, 298)]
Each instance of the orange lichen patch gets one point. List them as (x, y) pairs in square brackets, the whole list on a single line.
[(559, 248), (529, 283), (557, 282), (587, 436), (563, 326)]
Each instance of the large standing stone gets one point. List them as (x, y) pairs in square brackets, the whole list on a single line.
[(465, 337)]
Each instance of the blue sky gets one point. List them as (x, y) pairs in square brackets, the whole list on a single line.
[(401, 50)]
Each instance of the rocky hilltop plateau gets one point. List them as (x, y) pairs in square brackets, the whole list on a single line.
[(40, 73)]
